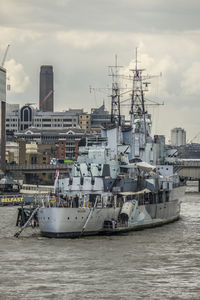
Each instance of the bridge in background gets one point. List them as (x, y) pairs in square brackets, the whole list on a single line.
[(188, 168), (31, 174), (63, 168)]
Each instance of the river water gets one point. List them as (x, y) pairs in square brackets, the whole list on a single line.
[(160, 263)]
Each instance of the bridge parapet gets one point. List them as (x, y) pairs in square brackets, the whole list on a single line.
[(37, 167), (189, 162)]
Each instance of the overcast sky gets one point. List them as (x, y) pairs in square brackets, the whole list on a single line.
[(80, 39)]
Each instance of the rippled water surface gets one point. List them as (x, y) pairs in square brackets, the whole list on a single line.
[(160, 263)]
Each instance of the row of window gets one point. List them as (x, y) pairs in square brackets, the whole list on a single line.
[(54, 120), (11, 125), (12, 120), (42, 120), (55, 125), (53, 137), (84, 116)]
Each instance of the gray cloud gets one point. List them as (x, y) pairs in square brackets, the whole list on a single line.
[(123, 15), (80, 38)]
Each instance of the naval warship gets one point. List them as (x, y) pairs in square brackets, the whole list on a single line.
[(121, 180)]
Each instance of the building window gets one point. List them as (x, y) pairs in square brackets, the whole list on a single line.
[(26, 114), (67, 120)]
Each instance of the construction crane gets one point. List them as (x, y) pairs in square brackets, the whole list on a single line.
[(4, 57), (190, 141)]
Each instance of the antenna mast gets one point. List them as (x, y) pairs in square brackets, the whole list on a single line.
[(137, 95), (115, 96)]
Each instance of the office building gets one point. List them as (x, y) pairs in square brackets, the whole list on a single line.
[(2, 118), (46, 89), (178, 136), (29, 116)]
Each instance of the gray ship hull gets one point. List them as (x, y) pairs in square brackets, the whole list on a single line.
[(69, 222)]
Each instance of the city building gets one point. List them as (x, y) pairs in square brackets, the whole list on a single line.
[(40, 154), (99, 116), (20, 119), (2, 118), (85, 121), (29, 116), (65, 139), (61, 148), (12, 152), (11, 107), (22, 152), (178, 136), (46, 89)]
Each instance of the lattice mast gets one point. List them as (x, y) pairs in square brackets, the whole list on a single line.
[(115, 96), (137, 95)]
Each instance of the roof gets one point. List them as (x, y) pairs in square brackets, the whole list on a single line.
[(58, 131)]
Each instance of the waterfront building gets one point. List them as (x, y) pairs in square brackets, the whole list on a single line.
[(2, 118), (178, 136), (46, 89), (69, 137), (29, 116), (40, 154), (20, 119)]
